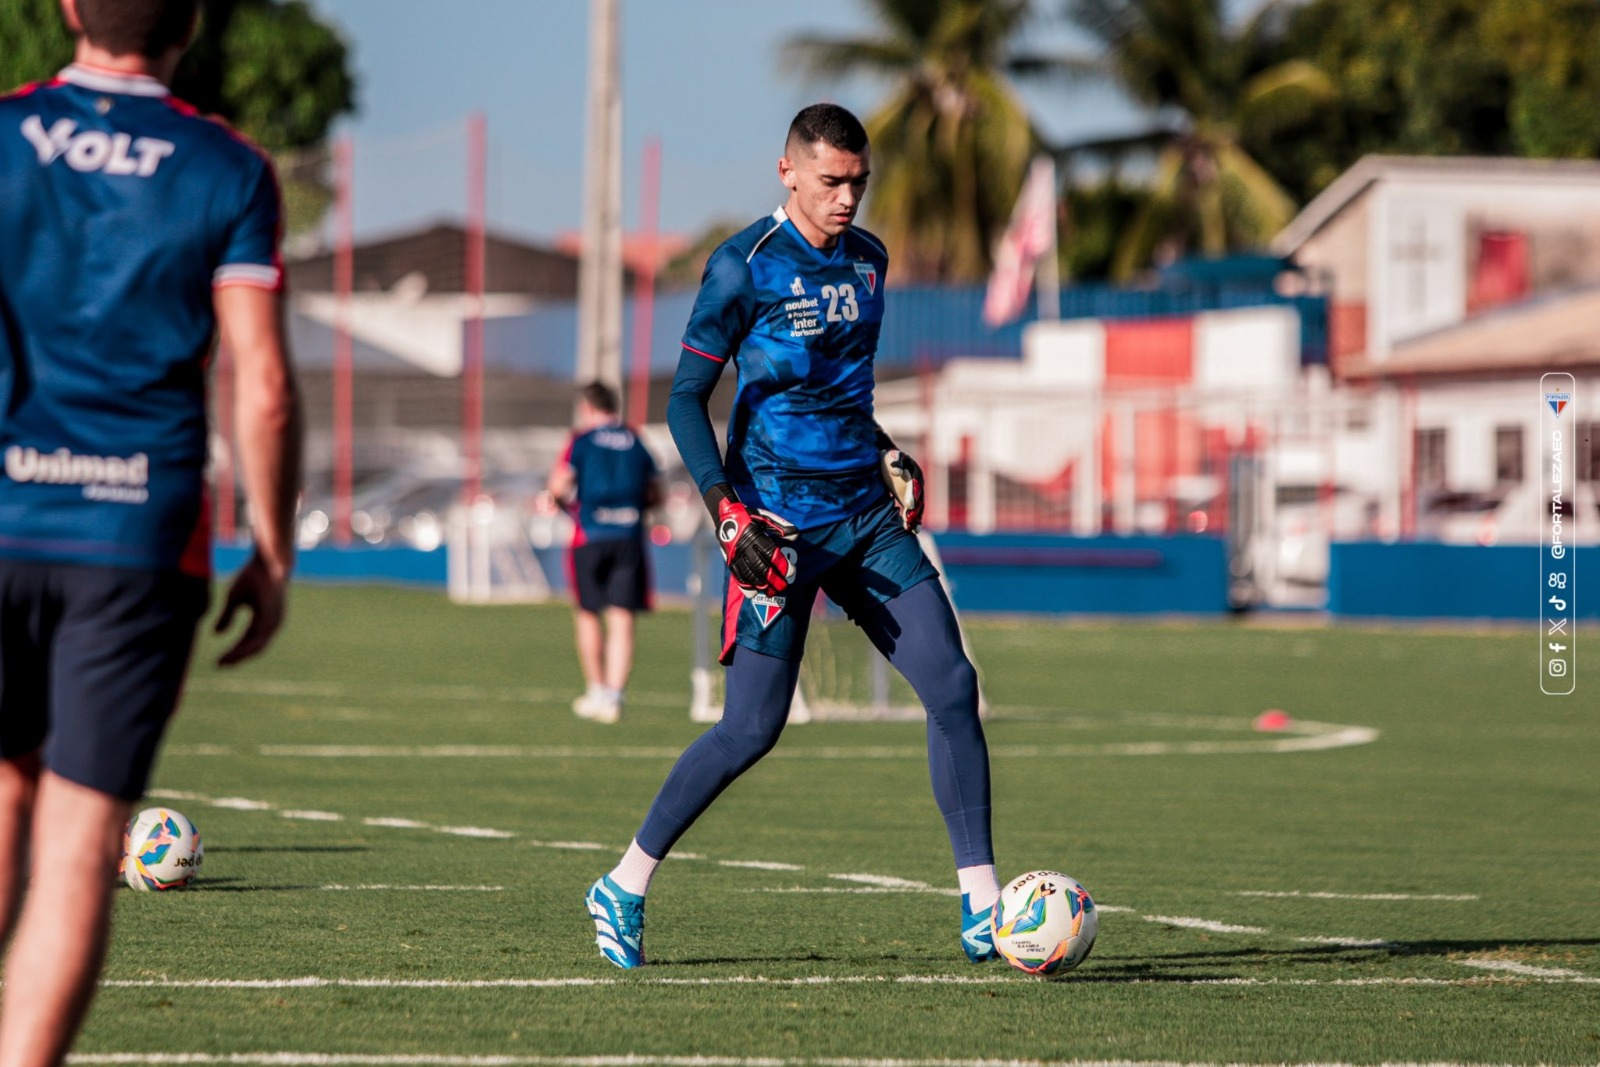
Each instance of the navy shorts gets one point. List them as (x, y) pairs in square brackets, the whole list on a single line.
[(866, 559), (611, 574), (92, 661)]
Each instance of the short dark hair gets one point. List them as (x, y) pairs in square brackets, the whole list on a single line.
[(830, 124), (137, 27), (601, 397)]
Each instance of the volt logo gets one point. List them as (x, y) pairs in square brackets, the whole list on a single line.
[(95, 150)]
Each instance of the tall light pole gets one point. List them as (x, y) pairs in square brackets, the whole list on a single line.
[(600, 260)]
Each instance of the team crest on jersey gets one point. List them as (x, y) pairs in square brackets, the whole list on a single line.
[(1558, 402), (868, 275), (768, 608), (797, 287)]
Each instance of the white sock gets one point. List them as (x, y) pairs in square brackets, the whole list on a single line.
[(979, 886), (610, 696), (637, 867), (596, 691)]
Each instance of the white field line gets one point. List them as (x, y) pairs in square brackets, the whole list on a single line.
[(332, 1059), (1350, 942), (1511, 967), (1354, 896), (1203, 924), (416, 888), (883, 881), (866, 883), (1335, 737), (996, 977), (312, 816), (863, 890), (448, 1059), (759, 865)]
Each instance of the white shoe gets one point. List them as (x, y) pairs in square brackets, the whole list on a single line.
[(597, 709)]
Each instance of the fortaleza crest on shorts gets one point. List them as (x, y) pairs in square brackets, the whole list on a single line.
[(1558, 402), (767, 607), (868, 274)]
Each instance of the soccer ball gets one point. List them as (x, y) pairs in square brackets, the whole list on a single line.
[(1044, 923), (161, 850)]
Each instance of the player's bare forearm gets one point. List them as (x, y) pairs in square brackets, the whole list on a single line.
[(267, 417)]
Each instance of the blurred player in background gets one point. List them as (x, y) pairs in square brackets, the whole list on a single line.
[(608, 480), (812, 496), (130, 230)]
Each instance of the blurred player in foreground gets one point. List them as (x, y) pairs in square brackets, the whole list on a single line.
[(131, 229), (812, 496), (608, 481)]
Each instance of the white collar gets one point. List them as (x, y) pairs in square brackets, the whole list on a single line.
[(105, 81)]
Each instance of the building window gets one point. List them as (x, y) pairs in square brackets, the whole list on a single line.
[(1508, 459), (1429, 453)]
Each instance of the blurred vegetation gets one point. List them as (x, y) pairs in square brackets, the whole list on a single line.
[(270, 68), (952, 140), (1247, 118)]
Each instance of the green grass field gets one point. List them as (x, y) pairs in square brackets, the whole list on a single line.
[(1425, 895)]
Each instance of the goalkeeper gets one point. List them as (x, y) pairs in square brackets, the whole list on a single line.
[(812, 495)]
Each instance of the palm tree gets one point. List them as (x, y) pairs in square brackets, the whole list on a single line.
[(1181, 59), (952, 142)]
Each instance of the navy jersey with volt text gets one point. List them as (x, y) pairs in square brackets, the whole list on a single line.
[(612, 473), (801, 325), (120, 210)]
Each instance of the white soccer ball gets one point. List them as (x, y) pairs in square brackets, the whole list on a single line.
[(1044, 923), (161, 850)]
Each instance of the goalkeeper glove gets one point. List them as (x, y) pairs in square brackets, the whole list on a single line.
[(751, 543), (904, 479)]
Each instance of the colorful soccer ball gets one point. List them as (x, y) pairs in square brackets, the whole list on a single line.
[(161, 850), (1044, 923)]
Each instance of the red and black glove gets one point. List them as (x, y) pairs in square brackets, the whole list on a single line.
[(904, 478), (752, 543)]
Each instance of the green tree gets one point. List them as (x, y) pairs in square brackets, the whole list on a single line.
[(33, 42), (1440, 77), (952, 142), (268, 67), (1208, 84)]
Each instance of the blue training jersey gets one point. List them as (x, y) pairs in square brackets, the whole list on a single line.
[(613, 471), (801, 325), (120, 209)]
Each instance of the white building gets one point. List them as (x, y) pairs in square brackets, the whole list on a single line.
[(1456, 284)]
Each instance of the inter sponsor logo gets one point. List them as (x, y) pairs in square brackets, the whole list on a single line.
[(95, 150), (616, 516), (120, 479)]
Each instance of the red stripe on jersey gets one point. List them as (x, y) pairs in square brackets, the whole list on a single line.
[(30, 88), (708, 355), (730, 621), (196, 558)]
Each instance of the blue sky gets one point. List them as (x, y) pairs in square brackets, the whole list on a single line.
[(702, 75)]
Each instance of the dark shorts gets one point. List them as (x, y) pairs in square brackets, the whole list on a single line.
[(611, 574), (92, 661), (863, 560)]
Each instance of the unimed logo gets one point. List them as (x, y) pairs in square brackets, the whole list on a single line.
[(120, 479)]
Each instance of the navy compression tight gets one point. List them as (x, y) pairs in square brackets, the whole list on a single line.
[(917, 632)]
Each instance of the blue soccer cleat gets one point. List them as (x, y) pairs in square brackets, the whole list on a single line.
[(977, 934), (618, 922)]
